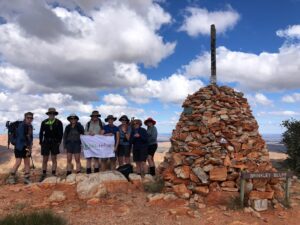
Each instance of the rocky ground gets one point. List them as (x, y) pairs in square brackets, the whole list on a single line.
[(133, 206)]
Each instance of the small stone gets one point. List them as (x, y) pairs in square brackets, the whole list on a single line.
[(93, 201), (201, 190), (155, 197), (260, 204), (208, 167), (248, 210)]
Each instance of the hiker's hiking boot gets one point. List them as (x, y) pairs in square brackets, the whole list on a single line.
[(12, 179), (43, 176), (27, 180)]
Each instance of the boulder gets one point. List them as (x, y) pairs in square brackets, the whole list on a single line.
[(91, 188), (114, 181), (57, 196)]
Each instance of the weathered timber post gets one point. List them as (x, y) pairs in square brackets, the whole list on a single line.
[(213, 78)]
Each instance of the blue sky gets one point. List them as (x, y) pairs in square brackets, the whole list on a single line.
[(142, 58)]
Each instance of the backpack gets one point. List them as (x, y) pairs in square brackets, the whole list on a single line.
[(89, 123), (12, 128)]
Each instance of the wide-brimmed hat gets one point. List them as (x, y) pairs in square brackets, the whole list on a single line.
[(52, 110), (150, 120), (124, 117), (95, 113), (110, 117), (138, 121), (72, 115)]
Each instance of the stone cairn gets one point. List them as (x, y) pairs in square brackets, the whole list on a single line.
[(217, 137)]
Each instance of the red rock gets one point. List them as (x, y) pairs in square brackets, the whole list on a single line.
[(201, 190), (230, 184), (218, 174), (230, 189), (261, 195), (181, 191), (183, 172), (194, 178), (194, 144), (220, 198), (227, 161)]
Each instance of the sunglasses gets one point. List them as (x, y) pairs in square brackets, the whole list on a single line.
[(72, 118), (123, 120), (29, 118), (136, 124), (51, 113)]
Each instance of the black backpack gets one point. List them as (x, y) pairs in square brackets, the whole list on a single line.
[(12, 131), (89, 123)]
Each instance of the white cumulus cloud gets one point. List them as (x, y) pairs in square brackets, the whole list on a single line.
[(198, 20), (290, 32), (291, 98), (260, 72), (114, 99), (173, 89)]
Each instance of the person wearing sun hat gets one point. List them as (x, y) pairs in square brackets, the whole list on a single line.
[(51, 133), (139, 140), (111, 130), (93, 127), (152, 143), (72, 143), (124, 148)]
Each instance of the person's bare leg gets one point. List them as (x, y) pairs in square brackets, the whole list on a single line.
[(78, 164), (150, 161), (54, 164), (121, 160), (113, 163), (69, 163), (45, 162), (96, 165), (16, 165), (127, 160), (89, 165)]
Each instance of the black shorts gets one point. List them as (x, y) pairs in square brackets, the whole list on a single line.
[(21, 154), (48, 148), (124, 150), (152, 149), (140, 155), (73, 147)]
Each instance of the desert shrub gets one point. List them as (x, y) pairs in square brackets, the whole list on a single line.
[(291, 139), (34, 218), (155, 186)]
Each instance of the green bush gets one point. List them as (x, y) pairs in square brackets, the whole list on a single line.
[(291, 139), (34, 218), (155, 186)]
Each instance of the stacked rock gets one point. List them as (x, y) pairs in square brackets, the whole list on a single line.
[(217, 137)]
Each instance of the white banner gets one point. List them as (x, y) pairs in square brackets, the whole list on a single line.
[(98, 146)]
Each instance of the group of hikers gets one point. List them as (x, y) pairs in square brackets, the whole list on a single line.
[(129, 137)]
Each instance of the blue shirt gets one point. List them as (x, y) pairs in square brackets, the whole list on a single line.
[(111, 130)]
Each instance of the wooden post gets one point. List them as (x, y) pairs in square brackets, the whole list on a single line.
[(242, 190), (213, 78)]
